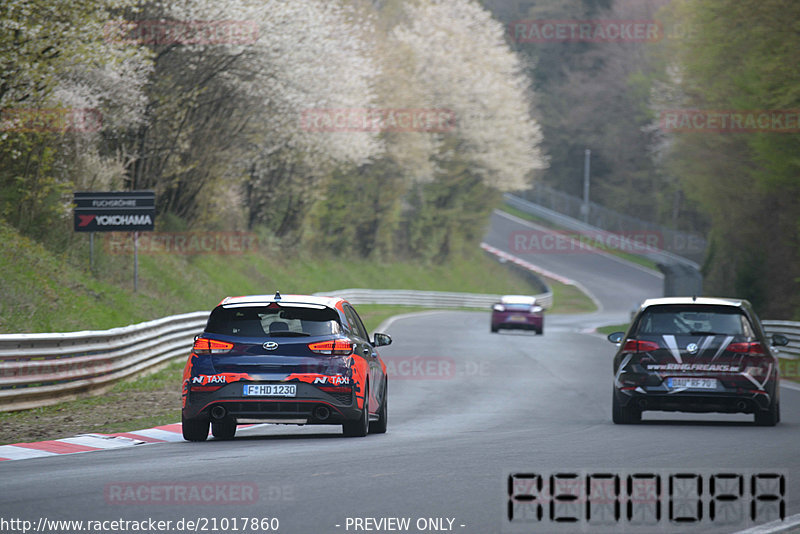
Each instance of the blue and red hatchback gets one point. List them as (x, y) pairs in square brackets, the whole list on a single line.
[(292, 359)]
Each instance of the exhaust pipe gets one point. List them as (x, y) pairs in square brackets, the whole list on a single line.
[(321, 413), (642, 404), (741, 406), (218, 412)]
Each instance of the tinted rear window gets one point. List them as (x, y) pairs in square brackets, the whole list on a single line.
[(261, 321), (517, 307), (694, 320)]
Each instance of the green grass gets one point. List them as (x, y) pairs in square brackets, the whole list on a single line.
[(610, 329), (45, 292), (790, 369), (633, 258)]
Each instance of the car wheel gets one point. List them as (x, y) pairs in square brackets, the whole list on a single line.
[(624, 415), (359, 428), (379, 426), (194, 429), (494, 329), (539, 331), (224, 429), (770, 416)]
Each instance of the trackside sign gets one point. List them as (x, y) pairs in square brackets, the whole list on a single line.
[(115, 211)]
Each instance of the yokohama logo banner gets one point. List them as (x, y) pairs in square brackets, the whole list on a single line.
[(115, 211)]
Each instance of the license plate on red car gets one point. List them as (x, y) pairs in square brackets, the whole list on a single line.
[(517, 319), (694, 383), (270, 390)]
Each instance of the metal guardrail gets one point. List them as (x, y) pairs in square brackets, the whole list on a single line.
[(44, 369), (681, 275), (789, 329), (687, 244), (427, 299)]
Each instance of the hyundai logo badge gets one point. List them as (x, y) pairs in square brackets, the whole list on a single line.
[(270, 345), (692, 348)]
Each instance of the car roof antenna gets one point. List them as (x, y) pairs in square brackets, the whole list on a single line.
[(277, 295)]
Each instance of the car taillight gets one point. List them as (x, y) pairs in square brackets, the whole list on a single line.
[(499, 308), (207, 388), (338, 347), (634, 345), (336, 389), (204, 345), (752, 347)]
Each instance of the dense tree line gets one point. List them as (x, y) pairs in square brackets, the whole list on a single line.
[(241, 132), (740, 188), (229, 110)]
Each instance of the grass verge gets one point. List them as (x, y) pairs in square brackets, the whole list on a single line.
[(633, 258), (610, 329)]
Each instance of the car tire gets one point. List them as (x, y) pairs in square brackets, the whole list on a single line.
[(494, 329), (224, 429), (379, 426), (360, 427), (624, 415), (770, 416), (194, 429), (539, 331)]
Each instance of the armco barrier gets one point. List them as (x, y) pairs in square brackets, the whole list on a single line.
[(43, 369), (789, 329), (427, 299)]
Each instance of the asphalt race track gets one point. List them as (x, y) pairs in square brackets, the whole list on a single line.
[(466, 409)]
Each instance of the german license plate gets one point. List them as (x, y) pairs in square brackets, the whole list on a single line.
[(695, 383), (270, 390)]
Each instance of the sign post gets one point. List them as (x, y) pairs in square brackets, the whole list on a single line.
[(115, 211)]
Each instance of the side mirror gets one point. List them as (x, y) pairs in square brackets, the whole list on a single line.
[(382, 340), (779, 340), (616, 337)]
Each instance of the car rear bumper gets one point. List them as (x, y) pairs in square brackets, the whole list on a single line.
[(310, 406), (530, 323), (691, 401)]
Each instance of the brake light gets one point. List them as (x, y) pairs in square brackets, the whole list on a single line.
[(336, 389), (753, 347), (337, 347), (635, 345), (204, 345), (207, 388)]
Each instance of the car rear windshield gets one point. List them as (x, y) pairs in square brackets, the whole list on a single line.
[(273, 321), (517, 307), (694, 320)]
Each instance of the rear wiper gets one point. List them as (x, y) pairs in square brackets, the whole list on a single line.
[(287, 333)]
